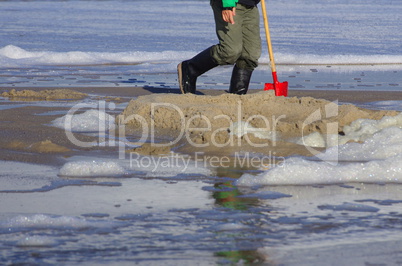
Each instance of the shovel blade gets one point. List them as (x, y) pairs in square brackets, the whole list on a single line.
[(280, 88), (269, 86)]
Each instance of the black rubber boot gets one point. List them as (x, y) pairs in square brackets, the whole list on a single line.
[(189, 70), (240, 80)]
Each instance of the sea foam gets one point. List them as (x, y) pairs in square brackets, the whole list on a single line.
[(90, 120), (170, 166), (376, 158), (358, 131), (92, 168), (14, 56), (46, 221)]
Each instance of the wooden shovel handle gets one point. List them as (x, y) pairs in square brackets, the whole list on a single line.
[(268, 36)]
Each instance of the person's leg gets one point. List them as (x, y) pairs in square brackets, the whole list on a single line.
[(240, 80), (228, 51), (230, 36), (189, 70), (251, 51)]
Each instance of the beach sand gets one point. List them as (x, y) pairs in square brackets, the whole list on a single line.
[(28, 137)]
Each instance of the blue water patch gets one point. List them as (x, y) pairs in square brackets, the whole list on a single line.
[(63, 183), (386, 202), (266, 195), (349, 207)]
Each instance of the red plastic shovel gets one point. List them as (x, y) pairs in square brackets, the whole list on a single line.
[(281, 88)]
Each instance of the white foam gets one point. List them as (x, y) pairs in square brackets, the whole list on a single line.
[(166, 166), (299, 171), (90, 120), (359, 130), (92, 168), (50, 222), (14, 56), (382, 145), (47, 221), (378, 159)]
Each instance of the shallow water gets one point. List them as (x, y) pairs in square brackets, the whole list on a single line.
[(343, 78), (182, 220)]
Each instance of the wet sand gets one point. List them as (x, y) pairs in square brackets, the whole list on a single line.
[(28, 137)]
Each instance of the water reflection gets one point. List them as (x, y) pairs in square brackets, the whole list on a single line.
[(228, 196)]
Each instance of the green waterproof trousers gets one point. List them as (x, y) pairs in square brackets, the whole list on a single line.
[(239, 43)]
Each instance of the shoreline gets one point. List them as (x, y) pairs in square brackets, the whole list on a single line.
[(354, 96)]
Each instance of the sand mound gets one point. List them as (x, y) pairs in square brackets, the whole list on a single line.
[(214, 119), (46, 95)]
